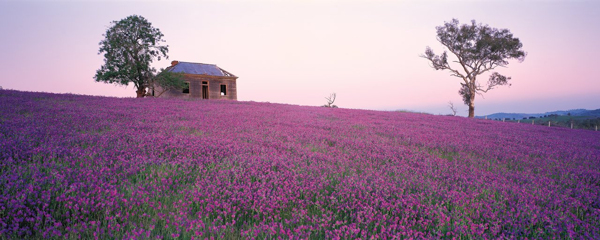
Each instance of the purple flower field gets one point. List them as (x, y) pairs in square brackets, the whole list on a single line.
[(88, 167)]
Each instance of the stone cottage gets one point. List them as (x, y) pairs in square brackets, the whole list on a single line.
[(205, 81)]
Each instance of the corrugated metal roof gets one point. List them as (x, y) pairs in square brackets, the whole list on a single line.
[(200, 68)]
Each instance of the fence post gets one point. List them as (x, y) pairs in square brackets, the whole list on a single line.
[(548, 123), (596, 128), (519, 121), (532, 120), (571, 125)]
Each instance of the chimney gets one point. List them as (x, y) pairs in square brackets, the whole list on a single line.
[(173, 63)]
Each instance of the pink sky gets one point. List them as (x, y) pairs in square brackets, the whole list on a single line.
[(298, 52)]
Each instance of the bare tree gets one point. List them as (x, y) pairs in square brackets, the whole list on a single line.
[(330, 101), (478, 49), (451, 105)]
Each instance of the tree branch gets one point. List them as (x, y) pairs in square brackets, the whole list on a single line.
[(440, 62), (495, 79)]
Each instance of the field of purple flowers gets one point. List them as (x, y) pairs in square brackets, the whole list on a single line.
[(76, 167)]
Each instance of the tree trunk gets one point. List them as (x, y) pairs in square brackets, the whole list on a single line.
[(472, 102), (141, 93), (471, 110)]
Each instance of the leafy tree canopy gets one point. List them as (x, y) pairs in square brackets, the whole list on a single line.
[(129, 46), (166, 81), (478, 49)]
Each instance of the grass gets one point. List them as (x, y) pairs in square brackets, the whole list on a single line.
[(578, 122)]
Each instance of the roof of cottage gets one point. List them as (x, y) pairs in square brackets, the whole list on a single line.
[(198, 68)]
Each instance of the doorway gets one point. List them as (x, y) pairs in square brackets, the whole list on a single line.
[(204, 90)]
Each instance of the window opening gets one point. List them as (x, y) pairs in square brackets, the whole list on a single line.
[(223, 90), (186, 87)]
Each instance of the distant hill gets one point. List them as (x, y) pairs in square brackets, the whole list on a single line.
[(574, 112)]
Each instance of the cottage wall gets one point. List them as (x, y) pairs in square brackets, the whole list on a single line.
[(214, 87)]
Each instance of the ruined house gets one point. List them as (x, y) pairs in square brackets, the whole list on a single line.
[(204, 81)]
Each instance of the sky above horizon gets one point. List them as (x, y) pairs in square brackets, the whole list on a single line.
[(298, 52)]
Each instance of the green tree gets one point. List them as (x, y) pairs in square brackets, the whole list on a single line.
[(129, 46), (478, 49), (165, 81)]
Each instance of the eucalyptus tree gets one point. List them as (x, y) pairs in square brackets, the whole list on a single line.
[(477, 49), (129, 46)]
